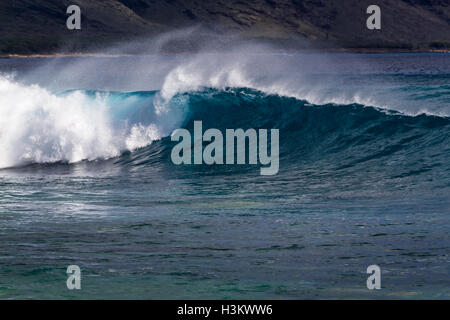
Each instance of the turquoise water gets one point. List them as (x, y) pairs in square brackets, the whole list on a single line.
[(359, 183)]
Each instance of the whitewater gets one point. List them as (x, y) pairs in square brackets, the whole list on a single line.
[(86, 176), (44, 119)]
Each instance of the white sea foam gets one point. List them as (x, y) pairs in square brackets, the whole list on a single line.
[(37, 126), (318, 80)]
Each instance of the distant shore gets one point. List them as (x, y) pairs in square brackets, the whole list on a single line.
[(337, 50), (61, 55)]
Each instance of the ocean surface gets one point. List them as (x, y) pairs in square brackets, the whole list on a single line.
[(87, 179)]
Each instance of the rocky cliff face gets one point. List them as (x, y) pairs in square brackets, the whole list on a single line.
[(39, 26)]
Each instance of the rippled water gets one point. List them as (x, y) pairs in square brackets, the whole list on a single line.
[(357, 186)]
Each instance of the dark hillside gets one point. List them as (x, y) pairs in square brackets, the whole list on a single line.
[(38, 26)]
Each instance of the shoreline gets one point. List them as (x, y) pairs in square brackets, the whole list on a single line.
[(107, 55)]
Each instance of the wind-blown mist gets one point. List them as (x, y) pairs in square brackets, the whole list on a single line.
[(363, 176), (41, 122)]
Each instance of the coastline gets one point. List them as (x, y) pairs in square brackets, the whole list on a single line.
[(107, 55)]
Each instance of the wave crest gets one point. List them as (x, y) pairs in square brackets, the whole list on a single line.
[(37, 126)]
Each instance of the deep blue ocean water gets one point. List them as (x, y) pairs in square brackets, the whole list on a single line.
[(364, 177)]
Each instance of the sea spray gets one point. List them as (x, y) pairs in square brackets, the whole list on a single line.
[(37, 126)]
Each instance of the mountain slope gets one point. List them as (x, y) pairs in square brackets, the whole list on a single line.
[(39, 26)]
